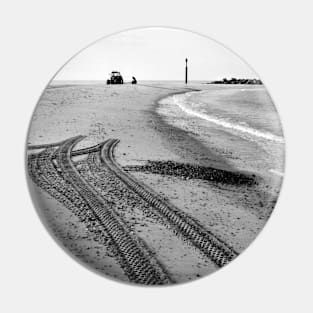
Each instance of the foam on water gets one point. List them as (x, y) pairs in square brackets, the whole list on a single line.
[(279, 173), (241, 127)]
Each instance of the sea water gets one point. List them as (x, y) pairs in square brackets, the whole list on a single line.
[(242, 110)]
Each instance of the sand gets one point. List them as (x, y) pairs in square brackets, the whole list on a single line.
[(235, 214)]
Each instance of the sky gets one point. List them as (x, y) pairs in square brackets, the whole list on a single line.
[(155, 54)]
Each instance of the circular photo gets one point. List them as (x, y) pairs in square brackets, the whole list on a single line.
[(155, 156)]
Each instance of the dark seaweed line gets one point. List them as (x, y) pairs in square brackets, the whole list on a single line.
[(138, 264), (215, 249)]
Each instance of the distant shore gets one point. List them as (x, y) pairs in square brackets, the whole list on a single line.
[(243, 81)]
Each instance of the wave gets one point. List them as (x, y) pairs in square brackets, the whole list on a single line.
[(277, 172), (178, 100)]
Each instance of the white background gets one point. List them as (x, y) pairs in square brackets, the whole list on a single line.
[(275, 273)]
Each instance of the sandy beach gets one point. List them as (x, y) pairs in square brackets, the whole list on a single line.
[(224, 187)]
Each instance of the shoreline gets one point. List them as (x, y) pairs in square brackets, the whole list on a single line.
[(184, 136), (183, 122), (235, 213), (258, 200), (164, 128)]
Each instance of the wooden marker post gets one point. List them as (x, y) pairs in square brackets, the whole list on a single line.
[(186, 72)]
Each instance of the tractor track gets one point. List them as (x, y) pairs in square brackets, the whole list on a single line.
[(65, 184), (53, 170), (45, 146), (73, 153), (211, 246)]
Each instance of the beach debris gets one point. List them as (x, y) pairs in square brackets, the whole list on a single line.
[(190, 171)]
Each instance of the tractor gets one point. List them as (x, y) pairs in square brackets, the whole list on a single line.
[(116, 78)]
